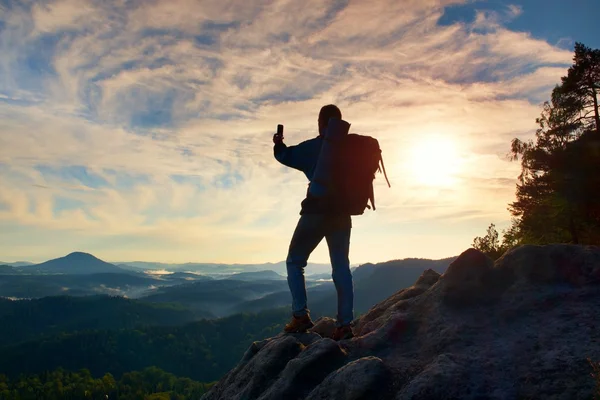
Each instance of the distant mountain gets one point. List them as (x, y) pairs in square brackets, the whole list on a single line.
[(131, 268), (75, 263), (257, 276), (375, 282), (21, 264), (363, 271), (17, 263), (389, 277)]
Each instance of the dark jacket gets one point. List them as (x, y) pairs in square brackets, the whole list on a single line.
[(303, 157)]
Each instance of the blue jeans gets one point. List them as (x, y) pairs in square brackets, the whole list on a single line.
[(311, 229)]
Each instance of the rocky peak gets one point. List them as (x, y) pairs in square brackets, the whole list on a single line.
[(522, 327)]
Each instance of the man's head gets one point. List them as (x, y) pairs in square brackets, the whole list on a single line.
[(328, 111)]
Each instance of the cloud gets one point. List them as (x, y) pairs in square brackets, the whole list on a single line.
[(144, 127), (62, 15), (514, 10)]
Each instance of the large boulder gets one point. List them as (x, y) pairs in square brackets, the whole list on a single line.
[(558, 263), (395, 303), (260, 367), (444, 377), (363, 379), (472, 280), (324, 327), (306, 371)]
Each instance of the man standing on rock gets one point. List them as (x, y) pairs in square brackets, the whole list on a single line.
[(315, 224)]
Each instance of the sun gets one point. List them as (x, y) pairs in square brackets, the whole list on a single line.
[(434, 161)]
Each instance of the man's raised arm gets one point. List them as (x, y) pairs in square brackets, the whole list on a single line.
[(287, 155)]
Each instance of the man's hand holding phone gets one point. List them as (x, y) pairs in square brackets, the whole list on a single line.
[(278, 137)]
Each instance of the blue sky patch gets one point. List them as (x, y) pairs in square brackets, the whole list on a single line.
[(561, 23), (126, 180), (228, 181), (462, 13), (194, 180), (205, 39), (73, 174), (35, 66), (154, 109), (65, 204)]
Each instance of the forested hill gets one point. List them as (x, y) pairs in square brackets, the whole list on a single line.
[(30, 319), (203, 350)]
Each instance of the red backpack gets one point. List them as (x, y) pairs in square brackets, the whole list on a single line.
[(357, 158)]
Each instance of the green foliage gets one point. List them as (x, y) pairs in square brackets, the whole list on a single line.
[(491, 245), (32, 319), (151, 383), (558, 189), (203, 350), (578, 91)]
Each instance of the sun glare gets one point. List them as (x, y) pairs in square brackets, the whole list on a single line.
[(434, 161)]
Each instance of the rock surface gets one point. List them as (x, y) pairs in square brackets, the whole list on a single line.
[(365, 378), (324, 327), (522, 327), (306, 371)]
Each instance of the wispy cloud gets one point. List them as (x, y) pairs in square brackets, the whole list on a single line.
[(142, 129)]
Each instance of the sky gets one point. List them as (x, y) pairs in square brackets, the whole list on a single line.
[(141, 130)]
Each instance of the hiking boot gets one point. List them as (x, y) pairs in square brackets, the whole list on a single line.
[(299, 324), (342, 333)]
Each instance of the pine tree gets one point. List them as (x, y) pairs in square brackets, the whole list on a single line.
[(557, 189), (579, 89)]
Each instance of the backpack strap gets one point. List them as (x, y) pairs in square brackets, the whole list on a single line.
[(371, 192), (371, 197), (384, 173)]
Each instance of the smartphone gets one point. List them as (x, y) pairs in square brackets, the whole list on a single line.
[(280, 129)]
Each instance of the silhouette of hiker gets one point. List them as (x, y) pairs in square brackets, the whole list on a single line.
[(315, 224)]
